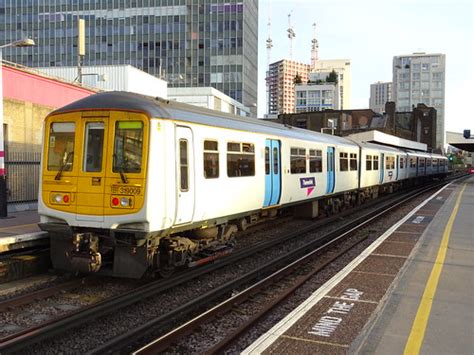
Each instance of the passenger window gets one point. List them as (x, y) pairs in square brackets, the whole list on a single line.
[(240, 159), (368, 162), (315, 161), (267, 160), (93, 147), (298, 160), (343, 162), (183, 164), (61, 146), (275, 161), (421, 163), (353, 161), (211, 160), (390, 163), (376, 162), (412, 162), (402, 163), (428, 163)]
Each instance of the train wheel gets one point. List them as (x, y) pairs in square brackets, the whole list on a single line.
[(166, 271)]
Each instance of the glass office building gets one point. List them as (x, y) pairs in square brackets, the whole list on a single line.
[(190, 43)]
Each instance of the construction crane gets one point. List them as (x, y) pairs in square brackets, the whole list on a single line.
[(291, 34), (314, 49), (269, 42)]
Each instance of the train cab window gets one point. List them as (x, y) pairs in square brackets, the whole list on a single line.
[(61, 146), (353, 161), (343, 162), (240, 159), (93, 147), (402, 163), (183, 165), (412, 162), (298, 160), (368, 162), (389, 163), (211, 160), (315, 161), (128, 147), (376, 162)]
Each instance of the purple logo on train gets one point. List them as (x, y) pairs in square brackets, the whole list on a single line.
[(309, 184)]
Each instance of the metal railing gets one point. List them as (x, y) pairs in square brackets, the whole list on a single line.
[(23, 171)]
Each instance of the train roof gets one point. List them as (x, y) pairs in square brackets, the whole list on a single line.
[(169, 109), (380, 147)]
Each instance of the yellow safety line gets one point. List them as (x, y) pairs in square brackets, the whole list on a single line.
[(19, 226), (418, 329)]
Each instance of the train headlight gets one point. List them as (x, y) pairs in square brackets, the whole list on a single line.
[(58, 198), (124, 202)]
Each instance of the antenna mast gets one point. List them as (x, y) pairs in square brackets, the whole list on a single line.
[(291, 34), (314, 49)]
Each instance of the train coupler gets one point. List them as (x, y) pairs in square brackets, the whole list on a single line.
[(85, 256)]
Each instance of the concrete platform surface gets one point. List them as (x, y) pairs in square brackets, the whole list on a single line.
[(370, 306), (19, 230), (446, 307)]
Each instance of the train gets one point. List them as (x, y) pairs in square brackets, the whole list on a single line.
[(132, 185)]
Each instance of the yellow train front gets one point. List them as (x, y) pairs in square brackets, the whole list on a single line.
[(92, 189)]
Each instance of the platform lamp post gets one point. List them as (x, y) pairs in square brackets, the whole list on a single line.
[(26, 42)]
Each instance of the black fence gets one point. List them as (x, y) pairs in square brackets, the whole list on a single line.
[(23, 171)]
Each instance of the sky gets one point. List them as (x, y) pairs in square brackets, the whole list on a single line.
[(370, 33)]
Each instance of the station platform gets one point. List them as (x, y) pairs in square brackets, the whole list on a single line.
[(20, 230), (411, 291)]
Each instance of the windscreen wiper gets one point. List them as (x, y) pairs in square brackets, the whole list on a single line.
[(121, 171), (63, 166)]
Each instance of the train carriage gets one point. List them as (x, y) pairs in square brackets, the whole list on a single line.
[(132, 183)]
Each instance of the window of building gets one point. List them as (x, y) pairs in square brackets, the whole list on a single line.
[(298, 160), (240, 159), (211, 160), (315, 161), (343, 162), (376, 162), (390, 163), (368, 162), (353, 161)]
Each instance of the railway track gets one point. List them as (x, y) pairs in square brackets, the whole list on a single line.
[(287, 265), (30, 336)]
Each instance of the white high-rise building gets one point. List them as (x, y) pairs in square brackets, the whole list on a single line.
[(343, 68), (420, 78), (380, 93)]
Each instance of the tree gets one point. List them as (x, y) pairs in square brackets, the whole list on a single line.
[(332, 77), (297, 79)]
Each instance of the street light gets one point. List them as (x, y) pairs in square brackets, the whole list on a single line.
[(25, 42)]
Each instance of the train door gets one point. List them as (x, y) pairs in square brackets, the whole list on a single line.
[(185, 175), (272, 173), (331, 176), (91, 176), (382, 167)]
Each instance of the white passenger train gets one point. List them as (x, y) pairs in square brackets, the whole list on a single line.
[(133, 183)]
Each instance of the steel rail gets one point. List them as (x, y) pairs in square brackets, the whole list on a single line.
[(161, 344), (59, 325)]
